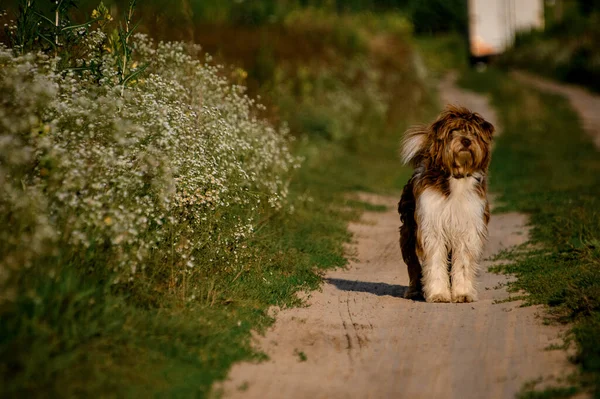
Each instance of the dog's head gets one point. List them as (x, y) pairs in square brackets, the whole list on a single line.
[(458, 142)]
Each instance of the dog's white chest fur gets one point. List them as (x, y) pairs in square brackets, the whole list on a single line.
[(456, 219)]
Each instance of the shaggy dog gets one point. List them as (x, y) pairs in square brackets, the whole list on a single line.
[(444, 207)]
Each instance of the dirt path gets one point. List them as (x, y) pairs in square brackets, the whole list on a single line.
[(360, 339), (585, 103)]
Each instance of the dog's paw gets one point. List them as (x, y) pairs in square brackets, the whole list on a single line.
[(413, 293), (464, 298), (438, 298)]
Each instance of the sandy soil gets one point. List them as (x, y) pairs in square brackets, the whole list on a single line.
[(359, 338)]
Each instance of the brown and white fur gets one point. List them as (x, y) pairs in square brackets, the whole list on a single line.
[(444, 207)]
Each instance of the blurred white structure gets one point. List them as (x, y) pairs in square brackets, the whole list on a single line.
[(494, 23)]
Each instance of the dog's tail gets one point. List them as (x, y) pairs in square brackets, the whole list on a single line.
[(413, 144)]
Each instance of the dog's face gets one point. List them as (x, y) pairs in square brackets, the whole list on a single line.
[(460, 142)]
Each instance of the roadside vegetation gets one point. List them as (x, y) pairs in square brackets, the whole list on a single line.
[(569, 47), (154, 211), (160, 196), (546, 166)]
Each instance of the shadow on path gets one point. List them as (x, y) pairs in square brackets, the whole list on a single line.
[(379, 289)]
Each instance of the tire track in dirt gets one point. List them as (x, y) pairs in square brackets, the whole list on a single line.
[(584, 102), (361, 339)]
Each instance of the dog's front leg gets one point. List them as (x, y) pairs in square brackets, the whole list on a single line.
[(465, 256), (436, 281)]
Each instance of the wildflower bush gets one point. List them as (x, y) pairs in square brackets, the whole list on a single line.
[(165, 177)]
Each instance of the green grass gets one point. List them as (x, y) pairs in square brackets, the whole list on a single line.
[(443, 53), (301, 355), (550, 393), (546, 166)]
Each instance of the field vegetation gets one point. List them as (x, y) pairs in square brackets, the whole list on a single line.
[(155, 210)]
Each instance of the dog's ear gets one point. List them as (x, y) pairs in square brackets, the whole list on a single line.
[(438, 128), (413, 144), (488, 130)]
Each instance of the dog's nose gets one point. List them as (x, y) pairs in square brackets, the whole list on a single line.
[(466, 142)]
